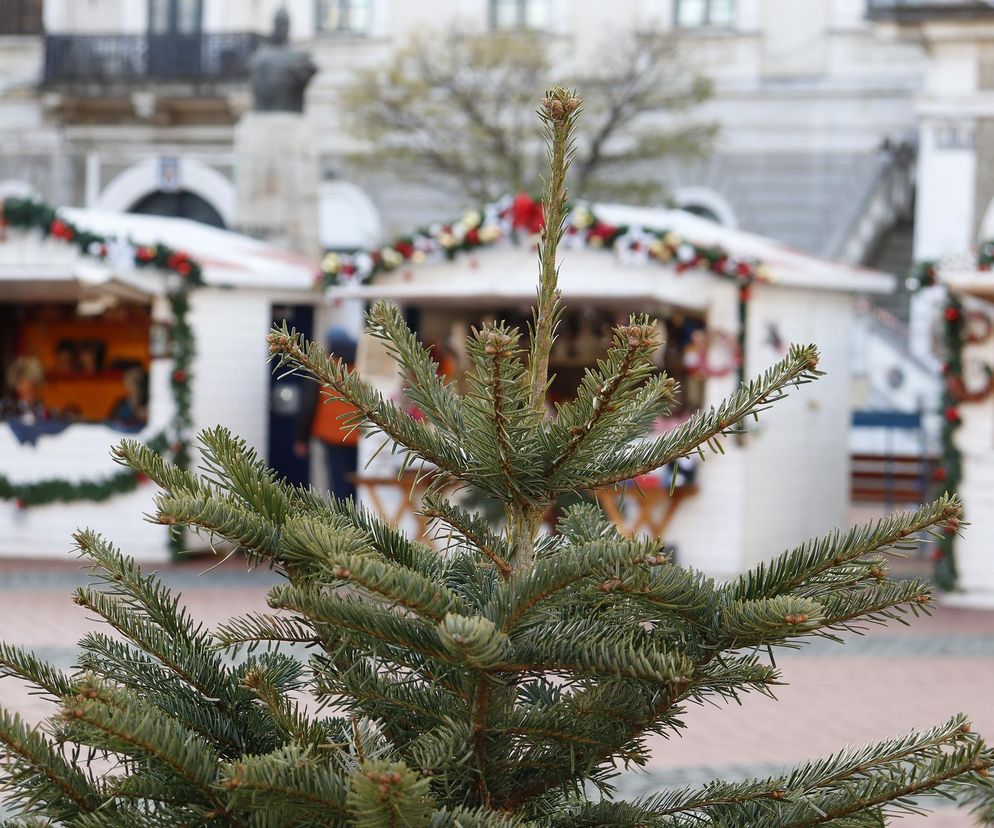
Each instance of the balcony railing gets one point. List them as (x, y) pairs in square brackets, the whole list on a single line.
[(129, 59), (914, 10)]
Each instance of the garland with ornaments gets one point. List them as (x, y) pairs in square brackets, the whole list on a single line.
[(959, 327), (183, 274), (523, 216)]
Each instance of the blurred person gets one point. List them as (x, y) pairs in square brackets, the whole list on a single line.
[(25, 378), (66, 357), (91, 357), (131, 410), (326, 420)]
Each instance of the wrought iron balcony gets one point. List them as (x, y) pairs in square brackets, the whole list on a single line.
[(910, 11), (142, 59)]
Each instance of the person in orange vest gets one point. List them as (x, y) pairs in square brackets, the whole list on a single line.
[(327, 420)]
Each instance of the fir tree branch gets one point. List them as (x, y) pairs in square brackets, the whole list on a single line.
[(339, 557), (475, 531), (806, 563), (608, 399), (286, 785), (45, 780), (499, 426), (122, 724), (798, 367), (17, 662), (341, 382), (357, 616), (559, 111), (423, 385), (527, 588)]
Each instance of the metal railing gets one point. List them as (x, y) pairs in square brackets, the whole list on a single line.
[(923, 9), (224, 56)]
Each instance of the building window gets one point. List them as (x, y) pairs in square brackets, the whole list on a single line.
[(701, 211), (179, 204), (696, 13), (512, 15), (175, 17), (20, 17), (353, 16)]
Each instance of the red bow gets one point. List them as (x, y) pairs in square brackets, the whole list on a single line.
[(527, 213)]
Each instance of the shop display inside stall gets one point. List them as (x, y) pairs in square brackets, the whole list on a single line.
[(584, 336), (67, 363)]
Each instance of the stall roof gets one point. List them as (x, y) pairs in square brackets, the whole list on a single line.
[(228, 259), (509, 272)]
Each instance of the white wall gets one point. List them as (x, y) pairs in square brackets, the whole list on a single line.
[(975, 440), (796, 475), (231, 373)]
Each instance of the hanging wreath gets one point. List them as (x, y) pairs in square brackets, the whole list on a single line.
[(977, 327), (957, 388)]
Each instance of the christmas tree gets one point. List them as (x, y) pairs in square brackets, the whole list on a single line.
[(500, 682)]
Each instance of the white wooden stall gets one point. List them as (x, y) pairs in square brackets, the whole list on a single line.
[(789, 479), (230, 316)]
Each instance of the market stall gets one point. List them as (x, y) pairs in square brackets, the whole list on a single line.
[(729, 304), (115, 325), (963, 292)]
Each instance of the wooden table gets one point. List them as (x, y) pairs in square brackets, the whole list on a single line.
[(654, 507), (407, 490), (397, 500)]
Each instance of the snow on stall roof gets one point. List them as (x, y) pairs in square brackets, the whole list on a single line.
[(228, 259), (789, 266)]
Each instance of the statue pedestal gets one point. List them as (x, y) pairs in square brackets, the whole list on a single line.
[(276, 176)]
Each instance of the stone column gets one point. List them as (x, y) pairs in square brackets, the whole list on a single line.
[(276, 176)]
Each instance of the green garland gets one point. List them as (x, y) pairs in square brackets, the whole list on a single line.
[(949, 473), (28, 214), (57, 490)]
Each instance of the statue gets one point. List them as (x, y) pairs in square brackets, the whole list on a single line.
[(279, 74)]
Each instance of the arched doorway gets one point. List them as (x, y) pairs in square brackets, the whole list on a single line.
[(179, 204)]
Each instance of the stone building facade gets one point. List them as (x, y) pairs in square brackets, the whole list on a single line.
[(131, 105)]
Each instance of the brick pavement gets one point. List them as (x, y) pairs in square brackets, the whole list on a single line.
[(882, 685)]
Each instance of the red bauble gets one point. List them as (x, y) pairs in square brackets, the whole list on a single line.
[(937, 554), (745, 294), (939, 475), (406, 249), (144, 254), (18, 503), (472, 236), (60, 230), (179, 375), (743, 270), (952, 414), (183, 268), (951, 314)]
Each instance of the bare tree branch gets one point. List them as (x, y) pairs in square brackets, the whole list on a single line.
[(458, 109)]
